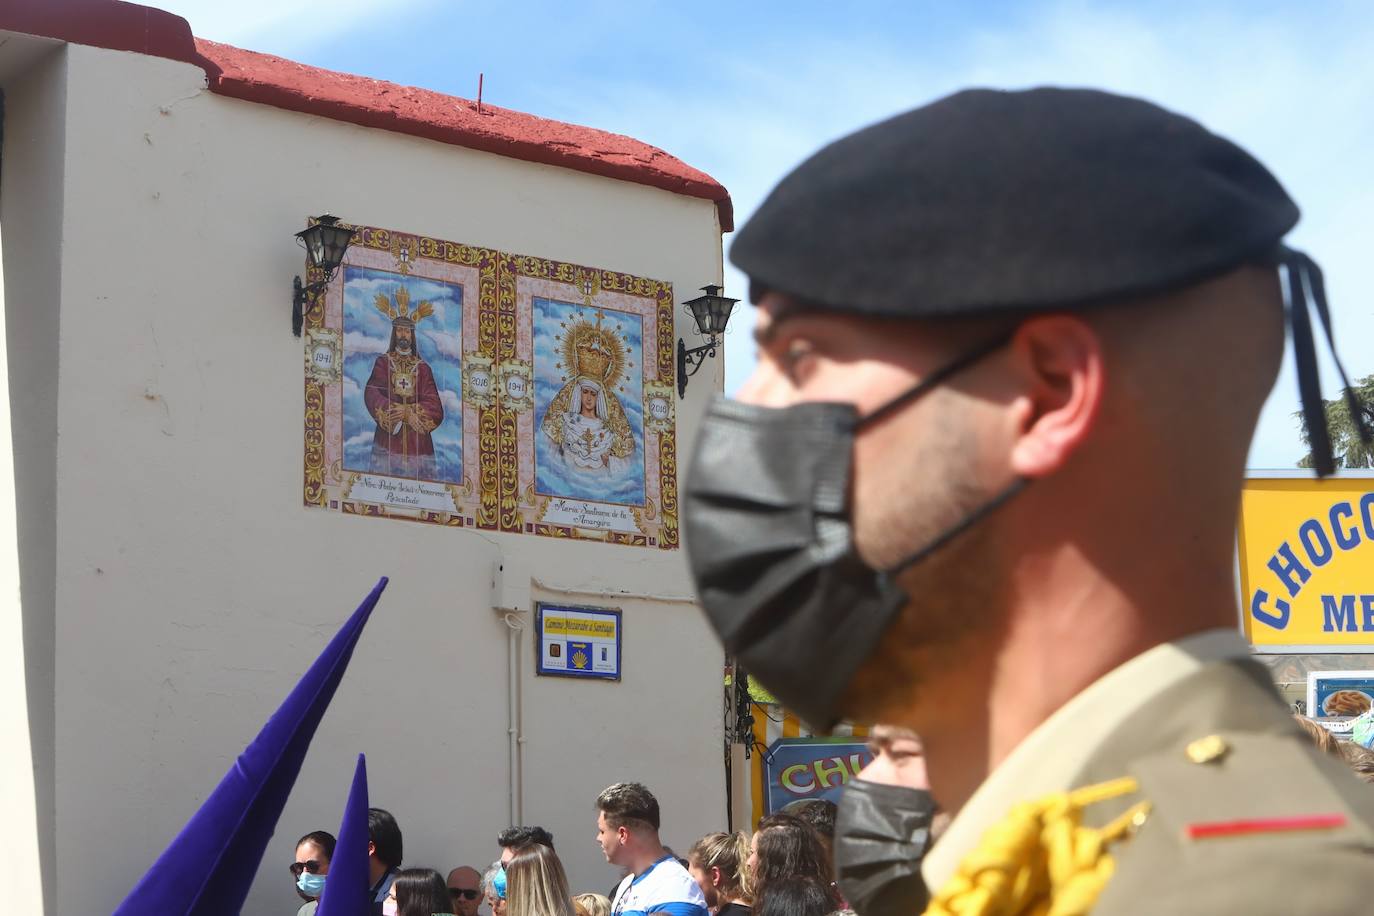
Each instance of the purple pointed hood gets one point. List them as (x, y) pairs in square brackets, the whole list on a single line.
[(208, 869)]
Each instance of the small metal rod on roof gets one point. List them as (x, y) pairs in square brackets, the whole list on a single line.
[(479, 92)]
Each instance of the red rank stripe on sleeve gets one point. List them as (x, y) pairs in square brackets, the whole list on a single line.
[(1264, 825)]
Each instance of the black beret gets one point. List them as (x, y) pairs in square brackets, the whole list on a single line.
[(989, 201)]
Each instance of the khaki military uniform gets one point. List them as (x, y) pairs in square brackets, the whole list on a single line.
[(1246, 815)]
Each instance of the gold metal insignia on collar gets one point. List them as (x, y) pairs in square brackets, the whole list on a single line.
[(1208, 750)]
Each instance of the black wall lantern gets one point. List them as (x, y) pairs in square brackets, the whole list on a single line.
[(325, 243), (712, 314)]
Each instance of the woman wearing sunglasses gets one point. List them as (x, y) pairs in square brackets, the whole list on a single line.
[(313, 852)]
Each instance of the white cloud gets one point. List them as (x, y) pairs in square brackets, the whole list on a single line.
[(448, 345), (358, 342), (453, 405)]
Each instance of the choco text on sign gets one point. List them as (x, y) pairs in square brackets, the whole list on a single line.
[(802, 768), (1306, 555)]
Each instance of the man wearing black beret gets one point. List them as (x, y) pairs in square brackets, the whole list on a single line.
[(983, 484)]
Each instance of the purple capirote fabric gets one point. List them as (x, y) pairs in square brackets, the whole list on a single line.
[(208, 869), (346, 889)]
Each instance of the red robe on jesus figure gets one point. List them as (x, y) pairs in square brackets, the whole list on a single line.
[(404, 401)]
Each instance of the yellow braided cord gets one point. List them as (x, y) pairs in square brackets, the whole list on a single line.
[(1040, 859)]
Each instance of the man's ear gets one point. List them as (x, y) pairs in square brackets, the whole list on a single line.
[(622, 833), (1060, 362), (371, 849)]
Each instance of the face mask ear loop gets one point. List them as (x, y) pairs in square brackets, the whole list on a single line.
[(973, 518), (935, 378)]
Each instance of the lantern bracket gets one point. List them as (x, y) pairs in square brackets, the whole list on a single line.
[(692, 358), (304, 299), (325, 241), (712, 313)]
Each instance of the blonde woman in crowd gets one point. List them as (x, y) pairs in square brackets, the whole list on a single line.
[(536, 884), (592, 905), (717, 864)]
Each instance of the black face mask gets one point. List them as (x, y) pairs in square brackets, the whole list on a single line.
[(771, 543), (881, 834)]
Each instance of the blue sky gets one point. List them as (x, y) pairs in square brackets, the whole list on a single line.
[(745, 91)]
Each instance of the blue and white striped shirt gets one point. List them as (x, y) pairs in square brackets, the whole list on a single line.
[(665, 888)]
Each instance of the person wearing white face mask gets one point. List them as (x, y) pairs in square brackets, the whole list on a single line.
[(313, 853)]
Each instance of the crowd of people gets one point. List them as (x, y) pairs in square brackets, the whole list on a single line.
[(785, 867)]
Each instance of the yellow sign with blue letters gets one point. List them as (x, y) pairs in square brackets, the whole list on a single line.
[(1306, 556)]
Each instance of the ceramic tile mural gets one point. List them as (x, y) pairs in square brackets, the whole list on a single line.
[(463, 386)]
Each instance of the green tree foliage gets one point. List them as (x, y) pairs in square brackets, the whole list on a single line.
[(759, 693), (1346, 447)]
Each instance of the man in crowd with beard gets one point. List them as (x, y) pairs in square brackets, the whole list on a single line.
[(983, 484)]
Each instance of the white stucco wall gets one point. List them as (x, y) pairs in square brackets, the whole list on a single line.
[(21, 867), (192, 586), (33, 76)]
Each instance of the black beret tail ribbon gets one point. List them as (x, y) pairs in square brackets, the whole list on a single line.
[(1304, 287)]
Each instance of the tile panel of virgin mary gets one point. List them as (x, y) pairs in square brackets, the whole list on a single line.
[(589, 439)]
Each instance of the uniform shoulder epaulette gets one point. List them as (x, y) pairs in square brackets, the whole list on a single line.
[(1207, 789), (1228, 795), (1245, 821)]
